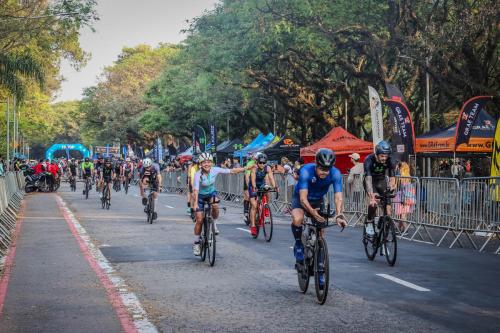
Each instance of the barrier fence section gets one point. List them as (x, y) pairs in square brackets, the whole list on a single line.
[(430, 210), (11, 194)]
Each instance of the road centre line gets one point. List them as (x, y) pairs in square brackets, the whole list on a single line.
[(245, 230), (403, 282)]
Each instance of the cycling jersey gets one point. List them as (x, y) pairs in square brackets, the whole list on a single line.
[(87, 168), (376, 169), (315, 186), (107, 172), (205, 184), (150, 173), (72, 168), (260, 175)]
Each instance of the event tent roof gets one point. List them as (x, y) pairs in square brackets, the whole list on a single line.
[(283, 147), (255, 145), (230, 146), (340, 141), (443, 140)]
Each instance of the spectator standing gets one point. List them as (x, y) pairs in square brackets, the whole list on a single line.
[(355, 180), (468, 169), (2, 169)]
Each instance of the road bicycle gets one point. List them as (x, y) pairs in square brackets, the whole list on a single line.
[(72, 183), (116, 184), (88, 187), (150, 206), (208, 239), (316, 261), (385, 236), (264, 217), (126, 184), (106, 196)]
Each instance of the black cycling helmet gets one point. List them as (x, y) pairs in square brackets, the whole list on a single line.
[(325, 158), (383, 147), (262, 158), (86, 159), (108, 160)]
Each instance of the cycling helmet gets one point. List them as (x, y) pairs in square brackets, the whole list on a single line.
[(107, 160), (262, 158), (196, 159), (206, 157), (127, 159), (325, 158), (86, 159), (147, 162), (383, 147), (255, 156)]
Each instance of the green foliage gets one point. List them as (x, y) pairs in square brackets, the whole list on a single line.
[(113, 107)]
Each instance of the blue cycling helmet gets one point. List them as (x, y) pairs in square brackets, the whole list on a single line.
[(325, 158), (383, 147)]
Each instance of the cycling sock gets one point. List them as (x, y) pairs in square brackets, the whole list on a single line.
[(189, 204), (196, 239), (297, 233)]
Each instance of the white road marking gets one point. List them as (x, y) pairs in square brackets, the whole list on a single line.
[(403, 282), (169, 206), (245, 230), (129, 299)]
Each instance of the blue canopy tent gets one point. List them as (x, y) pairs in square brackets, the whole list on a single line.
[(253, 146), (268, 141)]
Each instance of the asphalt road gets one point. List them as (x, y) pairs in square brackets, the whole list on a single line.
[(253, 285)]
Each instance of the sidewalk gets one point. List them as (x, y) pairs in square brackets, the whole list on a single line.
[(51, 286)]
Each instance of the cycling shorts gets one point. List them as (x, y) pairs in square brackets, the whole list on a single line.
[(203, 198), (314, 204)]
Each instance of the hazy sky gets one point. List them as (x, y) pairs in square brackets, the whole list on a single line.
[(127, 23)]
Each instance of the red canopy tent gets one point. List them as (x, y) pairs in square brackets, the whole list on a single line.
[(343, 144)]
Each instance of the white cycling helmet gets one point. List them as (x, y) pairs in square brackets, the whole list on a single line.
[(206, 157), (147, 162), (127, 159)]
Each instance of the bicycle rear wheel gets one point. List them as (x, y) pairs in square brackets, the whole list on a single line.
[(211, 241), (370, 244), (86, 189), (390, 241), (126, 186), (151, 205), (321, 270), (267, 225), (203, 240)]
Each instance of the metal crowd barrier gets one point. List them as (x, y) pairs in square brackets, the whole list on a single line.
[(429, 210), (11, 194)]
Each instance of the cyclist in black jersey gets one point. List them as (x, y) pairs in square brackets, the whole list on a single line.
[(107, 176), (377, 168)]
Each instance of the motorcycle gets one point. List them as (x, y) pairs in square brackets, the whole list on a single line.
[(41, 182)]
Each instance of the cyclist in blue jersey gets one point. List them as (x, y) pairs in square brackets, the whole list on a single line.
[(378, 167), (314, 181), (261, 174), (203, 189)]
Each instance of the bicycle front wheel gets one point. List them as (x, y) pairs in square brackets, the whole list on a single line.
[(303, 275), (390, 241), (151, 205), (370, 244), (321, 270), (211, 241), (203, 239), (267, 225), (86, 190)]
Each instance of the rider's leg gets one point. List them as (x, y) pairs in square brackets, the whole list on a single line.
[(253, 211), (297, 221), (197, 232)]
